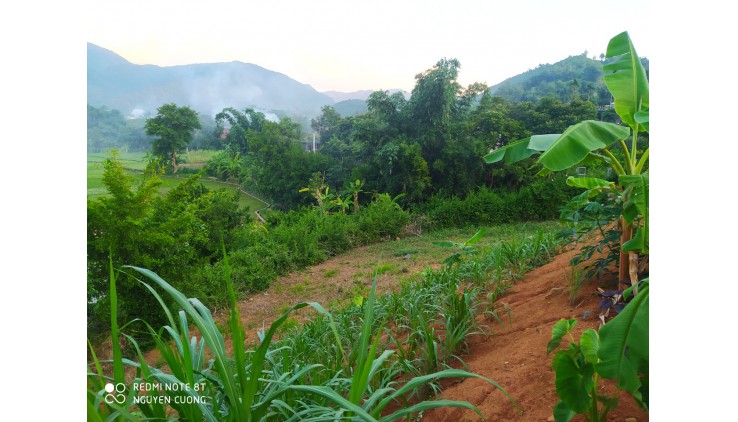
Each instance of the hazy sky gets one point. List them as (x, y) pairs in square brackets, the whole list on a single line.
[(351, 45)]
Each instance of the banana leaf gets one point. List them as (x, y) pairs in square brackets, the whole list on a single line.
[(578, 141), (521, 149), (623, 348), (626, 79)]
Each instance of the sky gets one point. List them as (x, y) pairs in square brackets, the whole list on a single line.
[(355, 45)]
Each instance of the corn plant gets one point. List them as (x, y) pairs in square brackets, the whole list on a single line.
[(459, 320), (367, 403), (269, 381)]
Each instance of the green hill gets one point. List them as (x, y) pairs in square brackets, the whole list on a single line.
[(351, 107), (574, 76)]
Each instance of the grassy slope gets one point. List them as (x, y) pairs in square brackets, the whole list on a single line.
[(334, 282)]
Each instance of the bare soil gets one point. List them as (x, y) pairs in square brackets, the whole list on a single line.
[(332, 283), (515, 357)]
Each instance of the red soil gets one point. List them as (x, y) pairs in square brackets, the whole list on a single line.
[(515, 357)]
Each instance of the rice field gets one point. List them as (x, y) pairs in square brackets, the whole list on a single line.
[(136, 161)]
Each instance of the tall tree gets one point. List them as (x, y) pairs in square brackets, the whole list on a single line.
[(434, 95), (433, 107), (239, 123), (174, 126), (325, 123)]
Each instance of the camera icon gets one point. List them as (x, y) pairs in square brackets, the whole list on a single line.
[(115, 393)]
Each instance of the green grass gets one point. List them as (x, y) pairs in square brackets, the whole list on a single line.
[(386, 268), (131, 160), (423, 248), (199, 156), (137, 161)]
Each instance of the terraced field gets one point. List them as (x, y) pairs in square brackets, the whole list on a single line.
[(136, 162)]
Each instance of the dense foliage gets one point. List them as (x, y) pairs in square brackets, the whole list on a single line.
[(538, 201), (429, 144), (178, 236)]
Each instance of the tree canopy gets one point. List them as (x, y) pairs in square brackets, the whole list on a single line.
[(174, 128)]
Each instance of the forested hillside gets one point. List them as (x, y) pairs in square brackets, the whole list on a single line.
[(573, 77)]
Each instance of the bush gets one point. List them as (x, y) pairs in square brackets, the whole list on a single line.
[(538, 201), (381, 219), (337, 233)]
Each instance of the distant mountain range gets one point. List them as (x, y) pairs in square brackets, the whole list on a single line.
[(116, 83)]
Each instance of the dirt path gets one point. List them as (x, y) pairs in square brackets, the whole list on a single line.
[(516, 356)]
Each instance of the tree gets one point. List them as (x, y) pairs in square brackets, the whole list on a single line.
[(239, 123), (433, 108), (174, 127), (325, 123), (178, 236), (434, 96)]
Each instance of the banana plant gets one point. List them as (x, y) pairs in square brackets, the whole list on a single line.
[(355, 189), (619, 351), (461, 248), (592, 140), (342, 204), (319, 190)]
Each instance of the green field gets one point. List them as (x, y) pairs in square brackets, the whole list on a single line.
[(137, 161)]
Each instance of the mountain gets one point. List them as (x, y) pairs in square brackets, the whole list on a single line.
[(116, 83), (338, 96), (350, 107)]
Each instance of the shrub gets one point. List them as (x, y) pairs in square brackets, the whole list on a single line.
[(538, 201), (381, 219)]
